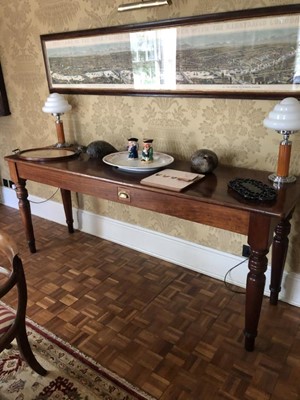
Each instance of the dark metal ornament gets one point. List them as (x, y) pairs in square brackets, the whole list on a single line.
[(99, 149), (204, 161), (253, 190)]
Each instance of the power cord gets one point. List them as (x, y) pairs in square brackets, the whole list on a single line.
[(227, 285), (44, 201), (38, 202)]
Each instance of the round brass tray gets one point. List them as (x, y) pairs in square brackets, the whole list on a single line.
[(48, 154)]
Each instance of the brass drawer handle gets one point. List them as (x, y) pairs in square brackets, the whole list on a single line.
[(123, 195)]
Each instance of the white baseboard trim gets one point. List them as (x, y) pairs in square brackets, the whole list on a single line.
[(189, 255)]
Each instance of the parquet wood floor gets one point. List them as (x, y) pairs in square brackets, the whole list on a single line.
[(173, 332)]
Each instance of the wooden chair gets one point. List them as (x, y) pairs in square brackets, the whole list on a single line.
[(12, 325)]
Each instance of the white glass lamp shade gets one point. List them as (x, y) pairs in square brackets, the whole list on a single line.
[(285, 116), (56, 104)]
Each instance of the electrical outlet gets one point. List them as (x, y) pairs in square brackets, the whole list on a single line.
[(8, 183), (246, 250)]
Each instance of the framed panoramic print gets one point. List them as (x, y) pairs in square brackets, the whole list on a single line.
[(4, 107), (241, 54)]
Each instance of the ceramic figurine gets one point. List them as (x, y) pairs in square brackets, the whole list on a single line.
[(132, 148), (147, 153)]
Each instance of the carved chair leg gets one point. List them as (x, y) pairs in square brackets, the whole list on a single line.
[(27, 353)]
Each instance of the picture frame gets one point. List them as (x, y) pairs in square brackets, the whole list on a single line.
[(4, 106), (239, 54)]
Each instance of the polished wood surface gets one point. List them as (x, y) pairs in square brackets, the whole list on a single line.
[(207, 201), (172, 332)]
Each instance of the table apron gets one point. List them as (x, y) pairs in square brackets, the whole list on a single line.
[(219, 216)]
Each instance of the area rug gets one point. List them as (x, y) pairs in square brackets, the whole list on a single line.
[(71, 375)]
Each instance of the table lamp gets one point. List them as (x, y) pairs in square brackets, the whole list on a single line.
[(57, 106), (285, 119)]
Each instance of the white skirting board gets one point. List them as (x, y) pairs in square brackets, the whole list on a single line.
[(189, 255)]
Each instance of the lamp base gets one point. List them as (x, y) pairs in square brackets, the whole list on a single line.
[(282, 179)]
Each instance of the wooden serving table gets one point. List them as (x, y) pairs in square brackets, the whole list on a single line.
[(207, 201)]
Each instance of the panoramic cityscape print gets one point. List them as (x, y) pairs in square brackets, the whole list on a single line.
[(227, 55)]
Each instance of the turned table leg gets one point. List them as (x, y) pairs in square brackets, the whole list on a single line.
[(254, 295), (260, 235), (67, 202), (279, 251), (25, 212)]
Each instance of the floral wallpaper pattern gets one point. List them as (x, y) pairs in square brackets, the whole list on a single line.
[(231, 128)]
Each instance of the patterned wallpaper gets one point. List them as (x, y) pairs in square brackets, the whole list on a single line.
[(231, 128)]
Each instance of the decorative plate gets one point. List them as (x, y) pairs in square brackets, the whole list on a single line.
[(121, 161)]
